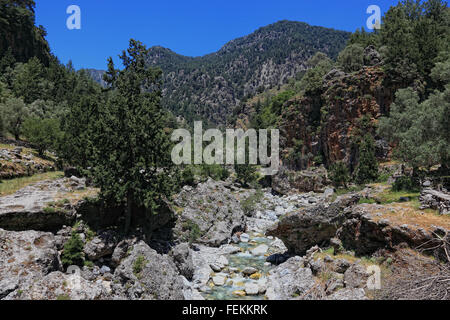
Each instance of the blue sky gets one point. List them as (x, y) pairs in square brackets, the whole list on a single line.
[(190, 27)]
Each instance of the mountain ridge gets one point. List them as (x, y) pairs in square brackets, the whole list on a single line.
[(212, 86)]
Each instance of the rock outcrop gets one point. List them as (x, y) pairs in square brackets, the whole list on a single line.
[(365, 233), (25, 257), (42, 206), (146, 275), (210, 214), (289, 181), (433, 199), (312, 226)]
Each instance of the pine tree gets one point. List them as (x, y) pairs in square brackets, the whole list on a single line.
[(367, 170), (132, 163), (339, 174)]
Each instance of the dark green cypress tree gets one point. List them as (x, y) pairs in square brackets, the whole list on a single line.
[(132, 162), (367, 170)]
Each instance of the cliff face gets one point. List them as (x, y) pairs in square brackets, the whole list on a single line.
[(345, 100)]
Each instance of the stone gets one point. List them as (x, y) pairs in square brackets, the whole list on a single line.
[(277, 258), (260, 250), (251, 289), (348, 294), (182, 257), (239, 293), (146, 275), (356, 276), (215, 267), (101, 246), (290, 279), (248, 271), (256, 276), (341, 265), (219, 280), (25, 257), (316, 225), (245, 238)]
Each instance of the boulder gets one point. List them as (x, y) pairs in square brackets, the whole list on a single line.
[(101, 246), (301, 230), (356, 276), (348, 294), (182, 256), (24, 257), (146, 275), (202, 220), (290, 279)]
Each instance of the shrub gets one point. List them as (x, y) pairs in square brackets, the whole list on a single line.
[(245, 174), (248, 204), (139, 265), (404, 183), (73, 251), (339, 174), (188, 177)]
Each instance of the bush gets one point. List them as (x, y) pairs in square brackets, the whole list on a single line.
[(367, 170), (43, 133), (188, 177), (248, 204), (405, 183), (73, 251), (339, 174)]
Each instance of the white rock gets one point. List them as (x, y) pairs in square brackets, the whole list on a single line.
[(219, 280), (222, 261), (251, 289), (260, 250), (245, 238)]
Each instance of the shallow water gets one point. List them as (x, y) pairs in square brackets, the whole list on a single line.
[(241, 261)]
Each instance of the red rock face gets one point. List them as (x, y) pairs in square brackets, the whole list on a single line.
[(343, 102)]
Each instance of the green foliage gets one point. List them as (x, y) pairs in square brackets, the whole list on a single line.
[(215, 171), (246, 174), (139, 265), (405, 183), (419, 130), (312, 81), (339, 174), (249, 203), (14, 111), (132, 163), (188, 177), (367, 170), (193, 230), (351, 59), (43, 133), (414, 33), (73, 251)]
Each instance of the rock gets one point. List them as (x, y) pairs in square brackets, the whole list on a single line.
[(256, 276), (239, 293), (356, 276), (341, 265), (333, 285), (251, 289), (316, 266), (277, 258), (328, 259), (25, 257), (364, 235), (248, 271), (317, 225), (260, 250), (289, 181), (222, 261), (182, 256), (215, 267), (213, 225), (333, 74), (436, 200), (328, 194), (290, 279), (336, 244), (60, 286), (120, 252), (33, 208), (427, 184), (105, 269), (146, 275), (101, 246), (219, 280), (348, 295), (245, 238)]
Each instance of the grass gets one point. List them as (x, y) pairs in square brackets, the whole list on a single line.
[(8, 187), (139, 265)]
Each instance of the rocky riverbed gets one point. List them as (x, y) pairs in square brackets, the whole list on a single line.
[(216, 241)]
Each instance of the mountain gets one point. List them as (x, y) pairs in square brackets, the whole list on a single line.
[(212, 86)]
